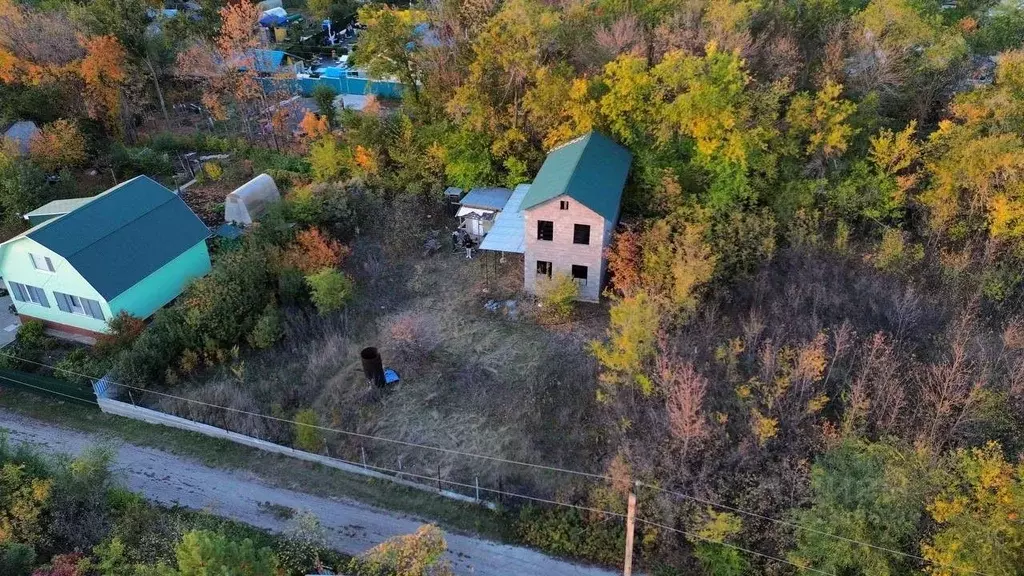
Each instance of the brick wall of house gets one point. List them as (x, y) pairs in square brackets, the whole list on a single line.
[(561, 251)]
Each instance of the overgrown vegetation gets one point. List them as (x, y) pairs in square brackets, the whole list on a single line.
[(814, 299), (69, 518)]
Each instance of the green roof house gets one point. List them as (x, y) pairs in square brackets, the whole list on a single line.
[(570, 211), (132, 248)]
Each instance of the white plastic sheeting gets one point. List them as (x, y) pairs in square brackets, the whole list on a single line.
[(250, 200)]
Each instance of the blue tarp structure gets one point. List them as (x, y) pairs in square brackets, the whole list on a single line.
[(269, 60), (269, 20), (228, 231), (390, 376)]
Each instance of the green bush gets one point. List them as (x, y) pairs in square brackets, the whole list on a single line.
[(307, 437), (292, 287), (559, 297), (16, 559), (567, 532), (26, 351), (268, 329), (324, 96), (129, 162), (80, 367), (156, 348), (32, 335), (224, 305), (330, 290)]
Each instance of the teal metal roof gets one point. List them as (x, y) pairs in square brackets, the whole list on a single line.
[(591, 169), (123, 234)]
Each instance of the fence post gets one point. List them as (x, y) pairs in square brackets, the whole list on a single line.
[(627, 565), (439, 478), (362, 453), (130, 397), (476, 480)]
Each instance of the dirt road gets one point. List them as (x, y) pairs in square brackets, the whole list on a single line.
[(352, 527)]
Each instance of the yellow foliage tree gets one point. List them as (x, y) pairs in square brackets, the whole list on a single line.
[(978, 516), (59, 144)]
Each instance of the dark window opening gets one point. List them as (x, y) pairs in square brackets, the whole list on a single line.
[(564, 204), (543, 268), (581, 234), (579, 274), (545, 230)]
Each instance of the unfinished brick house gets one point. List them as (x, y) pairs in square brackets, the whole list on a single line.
[(570, 211)]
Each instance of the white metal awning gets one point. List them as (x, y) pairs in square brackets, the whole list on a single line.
[(463, 211), (508, 233)]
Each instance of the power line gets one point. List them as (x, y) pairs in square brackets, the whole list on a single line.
[(504, 461), (47, 390), (814, 530), (733, 546), (325, 428), (400, 473)]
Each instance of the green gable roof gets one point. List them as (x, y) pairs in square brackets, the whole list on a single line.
[(591, 169), (123, 235)]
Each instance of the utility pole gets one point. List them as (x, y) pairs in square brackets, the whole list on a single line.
[(627, 568)]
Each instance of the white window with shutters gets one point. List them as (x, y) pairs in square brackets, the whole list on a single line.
[(41, 263), (78, 305), (26, 293)]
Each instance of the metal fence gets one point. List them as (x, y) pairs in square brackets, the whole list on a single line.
[(47, 386), (106, 393)]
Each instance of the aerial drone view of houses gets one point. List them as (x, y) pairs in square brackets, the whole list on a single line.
[(584, 287)]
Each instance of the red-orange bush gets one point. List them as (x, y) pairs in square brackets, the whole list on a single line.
[(313, 251)]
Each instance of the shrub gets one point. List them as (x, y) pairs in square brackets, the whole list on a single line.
[(213, 171), (156, 348), (268, 328), (16, 559), (32, 335), (124, 329), (558, 297), (299, 551), (329, 160), (28, 347), (330, 290), (224, 305), (128, 161), (324, 96), (58, 145), (80, 367), (291, 286), (419, 554), (314, 250), (307, 437), (568, 532), (894, 254), (79, 515)]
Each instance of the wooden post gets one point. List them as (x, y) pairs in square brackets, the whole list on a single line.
[(362, 454), (439, 478), (627, 568), (476, 480)]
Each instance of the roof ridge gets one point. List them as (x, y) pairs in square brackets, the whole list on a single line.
[(124, 225)]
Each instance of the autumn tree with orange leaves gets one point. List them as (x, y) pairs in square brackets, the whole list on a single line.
[(226, 69), (313, 251), (103, 70)]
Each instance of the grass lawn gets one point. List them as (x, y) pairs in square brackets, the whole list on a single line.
[(275, 469)]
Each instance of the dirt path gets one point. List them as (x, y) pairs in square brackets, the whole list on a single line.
[(352, 527)]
